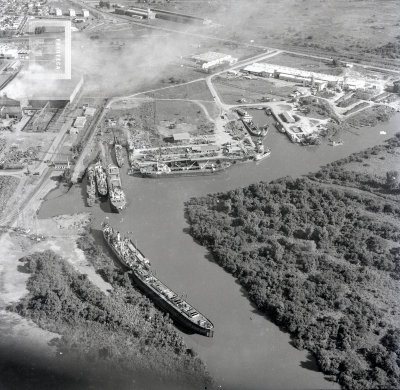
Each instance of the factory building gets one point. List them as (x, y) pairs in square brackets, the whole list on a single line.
[(135, 12), (10, 108), (316, 80), (179, 18), (208, 60)]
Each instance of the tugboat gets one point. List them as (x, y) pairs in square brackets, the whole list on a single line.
[(117, 195), (261, 153), (101, 180), (91, 186), (118, 153), (130, 256)]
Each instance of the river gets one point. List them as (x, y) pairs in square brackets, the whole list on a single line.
[(248, 352)]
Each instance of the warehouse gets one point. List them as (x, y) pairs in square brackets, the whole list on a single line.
[(287, 117), (181, 137), (208, 60), (10, 108), (179, 18)]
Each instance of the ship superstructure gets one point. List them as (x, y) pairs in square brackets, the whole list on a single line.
[(116, 194), (101, 179), (163, 296)]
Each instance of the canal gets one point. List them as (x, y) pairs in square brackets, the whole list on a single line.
[(248, 351)]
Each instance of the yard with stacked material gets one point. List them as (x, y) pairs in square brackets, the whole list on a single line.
[(8, 184), (321, 260), (121, 330)]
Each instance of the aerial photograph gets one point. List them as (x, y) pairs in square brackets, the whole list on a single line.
[(199, 194)]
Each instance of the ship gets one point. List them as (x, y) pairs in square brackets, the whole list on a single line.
[(251, 127), (261, 155), (183, 168), (143, 276), (116, 194), (119, 156), (268, 111), (101, 180), (264, 130), (337, 143), (241, 112), (90, 186), (280, 128)]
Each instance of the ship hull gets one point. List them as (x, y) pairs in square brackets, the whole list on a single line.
[(200, 172), (164, 304), (159, 299), (253, 130)]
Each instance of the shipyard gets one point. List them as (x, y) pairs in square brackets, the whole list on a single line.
[(249, 149)]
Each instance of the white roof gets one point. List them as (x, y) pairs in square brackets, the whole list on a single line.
[(262, 67), (210, 56)]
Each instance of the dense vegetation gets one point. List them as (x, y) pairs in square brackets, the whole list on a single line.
[(386, 185), (122, 329), (321, 262)]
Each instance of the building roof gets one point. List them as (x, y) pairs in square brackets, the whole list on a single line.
[(80, 121), (90, 111), (6, 101), (288, 118), (181, 136), (210, 56), (205, 148)]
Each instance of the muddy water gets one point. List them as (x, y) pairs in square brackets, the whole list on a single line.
[(248, 351)]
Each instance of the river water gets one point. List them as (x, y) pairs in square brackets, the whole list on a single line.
[(248, 352)]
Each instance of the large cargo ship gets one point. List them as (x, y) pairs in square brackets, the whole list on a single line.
[(116, 194), (164, 297), (90, 186), (101, 180), (183, 168), (119, 155)]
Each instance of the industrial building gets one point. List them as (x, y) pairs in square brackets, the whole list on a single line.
[(179, 18), (208, 60), (72, 12), (85, 13), (318, 80), (10, 108), (287, 117), (135, 12), (181, 137), (58, 93), (58, 12)]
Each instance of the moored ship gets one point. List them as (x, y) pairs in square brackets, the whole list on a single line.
[(90, 186), (116, 194), (101, 180), (119, 155), (163, 296), (251, 127), (183, 168)]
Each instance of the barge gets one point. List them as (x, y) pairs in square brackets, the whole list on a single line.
[(128, 254)]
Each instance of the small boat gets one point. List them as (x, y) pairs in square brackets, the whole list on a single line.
[(337, 143), (261, 156)]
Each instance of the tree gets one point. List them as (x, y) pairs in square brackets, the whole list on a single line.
[(392, 179)]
